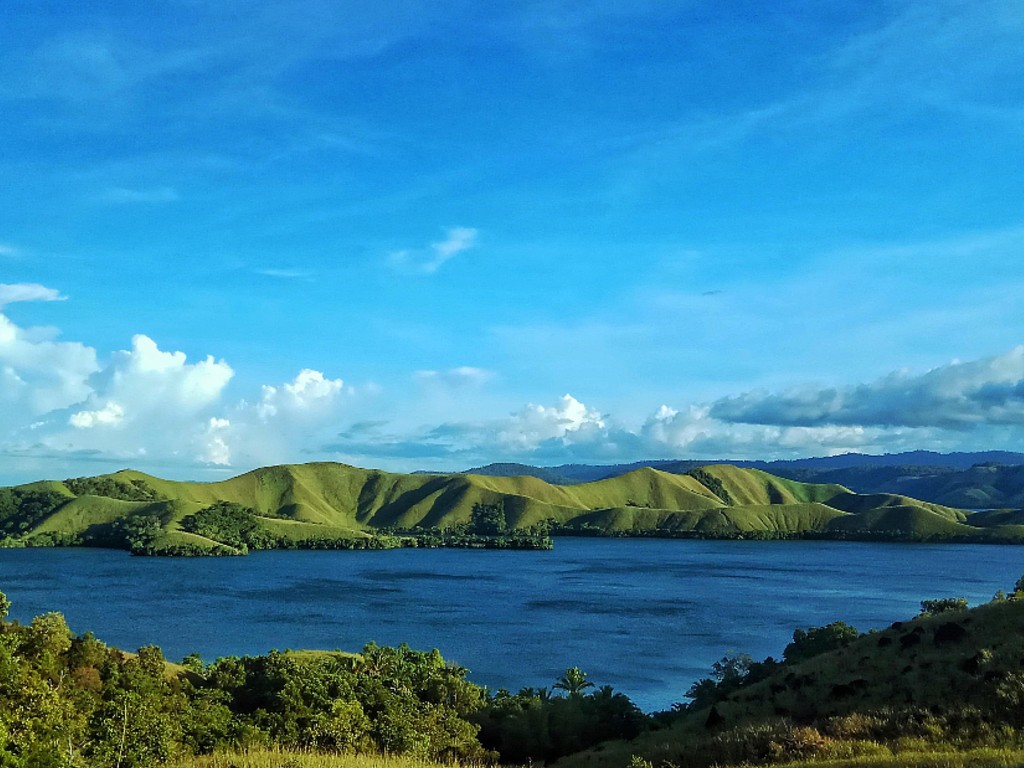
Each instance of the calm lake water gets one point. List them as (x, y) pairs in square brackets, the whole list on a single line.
[(645, 616)]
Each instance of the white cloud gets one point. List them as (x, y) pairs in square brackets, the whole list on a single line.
[(14, 292), (695, 433), (285, 425), (459, 239), (959, 395), (428, 261), (109, 415), (40, 374), (145, 402), (974, 405), (215, 448), (309, 394), (147, 378), (462, 376), (567, 421)]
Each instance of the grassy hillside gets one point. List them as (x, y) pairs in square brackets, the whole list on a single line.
[(892, 697), (326, 504), (752, 486), (983, 486), (983, 480)]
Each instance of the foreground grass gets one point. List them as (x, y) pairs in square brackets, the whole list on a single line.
[(277, 758), (975, 758)]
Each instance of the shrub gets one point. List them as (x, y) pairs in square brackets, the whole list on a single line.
[(817, 640), (943, 605)]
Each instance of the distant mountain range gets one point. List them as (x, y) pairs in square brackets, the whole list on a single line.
[(980, 480), (327, 505)]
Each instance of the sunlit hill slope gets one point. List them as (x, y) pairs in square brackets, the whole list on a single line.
[(314, 504)]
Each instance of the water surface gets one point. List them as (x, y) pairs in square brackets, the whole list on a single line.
[(646, 616)]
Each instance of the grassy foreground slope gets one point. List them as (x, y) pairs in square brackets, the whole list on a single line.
[(950, 680), (975, 758), (309, 504)]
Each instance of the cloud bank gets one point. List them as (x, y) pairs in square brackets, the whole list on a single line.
[(64, 402), (958, 396)]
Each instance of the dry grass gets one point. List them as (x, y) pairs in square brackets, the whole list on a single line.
[(975, 758), (276, 758)]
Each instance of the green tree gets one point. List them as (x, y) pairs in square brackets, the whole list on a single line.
[(488, 520), (732, 670), (132, 730), (138, 532), (230, 523), (943, 605), (727, 674), (48, 636), (817, 640), (573, 682)]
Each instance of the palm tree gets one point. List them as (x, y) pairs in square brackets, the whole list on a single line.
[(573, 682)]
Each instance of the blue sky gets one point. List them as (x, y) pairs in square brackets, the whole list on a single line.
[(439, 234)]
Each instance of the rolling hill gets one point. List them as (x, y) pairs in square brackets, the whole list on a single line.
[(980, 480), (328, 504)]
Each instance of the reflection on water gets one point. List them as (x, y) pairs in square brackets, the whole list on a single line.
[(646, 616)]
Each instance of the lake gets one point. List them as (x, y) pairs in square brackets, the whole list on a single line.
[(646, 616)]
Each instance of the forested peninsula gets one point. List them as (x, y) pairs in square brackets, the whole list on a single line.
[(335, 506)]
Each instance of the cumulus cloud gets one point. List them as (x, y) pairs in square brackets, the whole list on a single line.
[(284, 424), (157, 404), (145, 402), (428, 260), (958, 396), (146, 378), (38, 374), (215, 448), (568, 421), (13, 292), (109, 415), (308, 395)]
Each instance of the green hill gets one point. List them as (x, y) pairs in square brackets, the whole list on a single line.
[(752, 486), (335, 505), (926, 685)]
